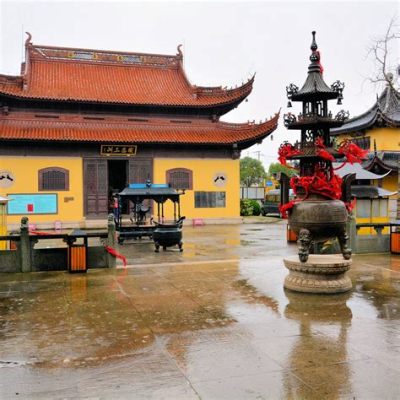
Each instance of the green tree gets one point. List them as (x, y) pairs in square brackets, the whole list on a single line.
[(274, 168), (251, 172)]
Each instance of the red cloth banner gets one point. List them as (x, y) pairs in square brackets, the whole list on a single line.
[(115, 253)]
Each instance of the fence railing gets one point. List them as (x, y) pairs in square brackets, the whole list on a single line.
[(380, 242), (22, 256)]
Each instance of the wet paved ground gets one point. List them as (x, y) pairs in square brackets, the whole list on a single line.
[(212, 322)]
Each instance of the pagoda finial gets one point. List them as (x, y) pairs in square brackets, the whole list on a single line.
[(314, 48), (28, 39), (314, 45)]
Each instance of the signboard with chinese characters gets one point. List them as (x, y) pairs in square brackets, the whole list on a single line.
[(24, 204), (118, 150)]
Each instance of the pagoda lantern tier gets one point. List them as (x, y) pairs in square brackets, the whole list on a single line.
[(318, 212)]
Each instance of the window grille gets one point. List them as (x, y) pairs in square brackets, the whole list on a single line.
[(180, 178), (53, 178), (363, 142), (209, 199)]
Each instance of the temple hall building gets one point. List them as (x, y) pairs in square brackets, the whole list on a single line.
[(378, 130), (77, 125)]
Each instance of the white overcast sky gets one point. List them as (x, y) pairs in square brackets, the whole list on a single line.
[(224, 43)]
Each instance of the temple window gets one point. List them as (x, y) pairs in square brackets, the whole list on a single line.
[(180, 178), (53, 178), (320, 108), (209, 199), (307, 108), (363, 142)]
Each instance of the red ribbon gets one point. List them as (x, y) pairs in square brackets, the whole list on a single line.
[(284, 208), (321, 152), (42, 233), (287, 150), (115, 253), (319, 183), (352, 152)]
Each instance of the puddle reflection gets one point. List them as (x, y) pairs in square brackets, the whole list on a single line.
[(381, 290), (314, 351)]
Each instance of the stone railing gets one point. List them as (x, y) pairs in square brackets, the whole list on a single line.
[(379, 242), (24, 257)]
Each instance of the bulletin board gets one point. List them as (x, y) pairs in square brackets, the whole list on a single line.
[(32, 203)]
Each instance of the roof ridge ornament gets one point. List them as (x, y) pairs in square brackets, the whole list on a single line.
[(28, 40), (180, 54), (338, 87)]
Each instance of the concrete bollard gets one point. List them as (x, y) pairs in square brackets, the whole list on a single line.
[(25, 246), (111, 242), (352, 232)]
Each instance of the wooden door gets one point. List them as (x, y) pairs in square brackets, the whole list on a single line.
[(140, 170), (95, 181)]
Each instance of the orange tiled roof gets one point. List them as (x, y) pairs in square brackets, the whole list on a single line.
[(66, 74), (21, 126)]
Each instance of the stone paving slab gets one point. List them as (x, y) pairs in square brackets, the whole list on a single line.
[(213, 322)]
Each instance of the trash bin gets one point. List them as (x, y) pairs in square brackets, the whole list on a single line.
[(395, 242), (291, 235), (77, 252)]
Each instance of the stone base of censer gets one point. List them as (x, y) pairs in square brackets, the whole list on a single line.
[(323, 274)]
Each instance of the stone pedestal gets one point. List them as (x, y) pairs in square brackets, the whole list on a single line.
[(323, 274)]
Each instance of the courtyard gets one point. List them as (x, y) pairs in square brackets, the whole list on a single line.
[(213, 322)]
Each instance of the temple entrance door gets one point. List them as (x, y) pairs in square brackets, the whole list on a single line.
[(101, 175), (95, 188), (117, 179), (117, 175)]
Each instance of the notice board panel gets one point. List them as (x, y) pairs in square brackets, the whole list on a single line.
[(32, 203)]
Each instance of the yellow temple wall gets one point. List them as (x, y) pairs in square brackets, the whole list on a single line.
[(386, 139), (70, 203), (389, 183), (25, 171), (204, 172)]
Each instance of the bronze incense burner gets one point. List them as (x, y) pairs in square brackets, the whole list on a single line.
[(318, 213)]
